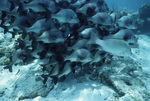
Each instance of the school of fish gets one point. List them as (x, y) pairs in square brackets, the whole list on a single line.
[(66, 33)]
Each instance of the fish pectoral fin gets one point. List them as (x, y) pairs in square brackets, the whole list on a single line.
[(45, 78), (9, 67), (55, 79)]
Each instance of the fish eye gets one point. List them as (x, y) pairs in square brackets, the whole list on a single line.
[(71, 17), (111, 20), (54, 37)]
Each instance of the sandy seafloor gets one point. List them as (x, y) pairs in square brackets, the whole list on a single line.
[(71, 89)]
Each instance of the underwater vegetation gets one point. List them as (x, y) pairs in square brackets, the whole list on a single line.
[(66, 34)]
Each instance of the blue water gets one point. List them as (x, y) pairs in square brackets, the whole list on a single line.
[(129, 5)]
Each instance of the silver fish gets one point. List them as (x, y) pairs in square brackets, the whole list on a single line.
[(39, 26), (34, 5), (127, 22), (101, 18), (86, 33), (5, 5), (116, 47), (78, 3), (87, 6), (80, 55), (51, 36), (124, 34), (66, 16)]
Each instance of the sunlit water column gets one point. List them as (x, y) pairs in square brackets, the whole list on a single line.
[(129, 5)]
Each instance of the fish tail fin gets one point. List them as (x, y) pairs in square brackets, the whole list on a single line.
[(14, 32), (34, 44), (24, 34), (5, 28), (3, 15), (55, 79), (42, 54), (43, 67), (45, 78), (9, 67), (12, 4), (48, 12)]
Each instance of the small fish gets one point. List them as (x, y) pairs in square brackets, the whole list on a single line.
[(101, 4), (88, 9), (38, 27), (86, 33), (124, 34), (17, 20), (126, 22), (80, 55), (116, 47), (78, 4), (20, 20), (5, 5), (33, 5), (66, 16), (101, 18), (57, 71), (51, 36)]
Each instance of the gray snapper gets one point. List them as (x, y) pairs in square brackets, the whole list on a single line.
[(66, 16), (101, 18), (80, 55), (51, 36), (116, 47), (126, 22)]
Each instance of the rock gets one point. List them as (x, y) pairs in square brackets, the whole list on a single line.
[(143, 12), (120, 75), (144, 19), (27, 87)]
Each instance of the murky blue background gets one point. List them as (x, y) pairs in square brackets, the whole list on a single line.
[(129, 5)]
